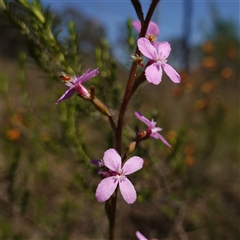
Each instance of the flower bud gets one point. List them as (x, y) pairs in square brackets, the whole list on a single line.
[(131, 147), (100, 106)]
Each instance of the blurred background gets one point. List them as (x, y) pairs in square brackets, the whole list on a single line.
[(190, 191)]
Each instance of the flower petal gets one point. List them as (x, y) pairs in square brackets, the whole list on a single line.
[(157, 135), (142, 118), (164, 49), (137, 25), (140, 236), (97, 162), (153, 124), (112, 160), (154, 74), (146, 48), (171, 72), (106, 188), (132, 165), (86, 76), (128, 191), (66, 95), (82, 91), (153, 29), (155, 129)]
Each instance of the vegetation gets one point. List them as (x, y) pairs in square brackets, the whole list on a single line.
[(190, 191)]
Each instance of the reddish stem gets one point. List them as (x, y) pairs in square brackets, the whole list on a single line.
[(126, 98), (130, 82)]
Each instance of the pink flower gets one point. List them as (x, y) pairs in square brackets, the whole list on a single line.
[(152, 30), (140, 236), (75, 85), (152, 131), (108, 185), (158, 53)]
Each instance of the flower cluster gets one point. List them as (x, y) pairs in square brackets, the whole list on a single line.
[(113, 168), (114, 173)]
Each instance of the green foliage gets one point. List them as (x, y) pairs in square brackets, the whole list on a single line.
[(105, 83), (130, 36), (39, 27)]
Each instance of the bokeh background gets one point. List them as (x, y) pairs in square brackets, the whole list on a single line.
[(190, 191)]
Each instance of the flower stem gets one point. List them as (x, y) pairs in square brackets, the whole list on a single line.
[(112, 215), (130, 82), (118, 133)]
